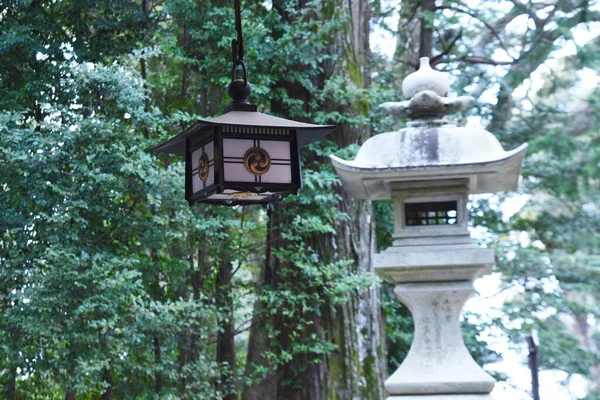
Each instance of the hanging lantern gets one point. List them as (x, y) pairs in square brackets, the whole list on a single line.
[(244, 156)]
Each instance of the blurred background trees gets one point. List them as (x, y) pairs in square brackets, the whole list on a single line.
[(112, 287)]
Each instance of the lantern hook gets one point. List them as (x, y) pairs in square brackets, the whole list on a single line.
[(237, 45)]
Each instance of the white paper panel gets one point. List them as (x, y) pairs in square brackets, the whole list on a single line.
[(276, 149), (237, 173), (197, 183), (236, 147), (209, 149), (278, 174), (195, 157), (258, 197)]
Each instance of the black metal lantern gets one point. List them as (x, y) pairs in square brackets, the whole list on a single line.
[(244, 156)]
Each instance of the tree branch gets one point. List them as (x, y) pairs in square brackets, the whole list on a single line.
[(492, 29), (435, 60), (485, 60)]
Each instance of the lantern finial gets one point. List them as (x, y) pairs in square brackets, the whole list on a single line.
[(426, 91)]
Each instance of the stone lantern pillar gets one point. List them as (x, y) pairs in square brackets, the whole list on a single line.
[(428, 169)]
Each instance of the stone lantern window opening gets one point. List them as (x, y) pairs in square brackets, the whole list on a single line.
[(430, 213)]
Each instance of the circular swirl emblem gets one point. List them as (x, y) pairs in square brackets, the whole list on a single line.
[(257, 161), (203, 167)]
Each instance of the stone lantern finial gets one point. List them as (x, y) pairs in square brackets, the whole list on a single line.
[(425, 78), (425, 90), (429, 169)]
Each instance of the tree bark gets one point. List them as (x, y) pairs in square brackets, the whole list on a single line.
[(11, 385), (158, 379), (70, 394), (357, 369), (184, 69), (258, 342), (426, 37), (226, 335), (108, 378), (146, 8)]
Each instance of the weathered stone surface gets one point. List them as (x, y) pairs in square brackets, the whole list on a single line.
[(438, 361), (426, 153), (427, 104), (434, 263), (430, 147)]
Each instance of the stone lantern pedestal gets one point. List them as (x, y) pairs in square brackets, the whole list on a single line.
[(429, 169), (433, 267)]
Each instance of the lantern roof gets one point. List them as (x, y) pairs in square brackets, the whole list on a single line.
[(429, 147), (306, 133)]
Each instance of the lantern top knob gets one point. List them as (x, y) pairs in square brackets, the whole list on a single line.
[(425, 78), (239, 91), (426, 91)]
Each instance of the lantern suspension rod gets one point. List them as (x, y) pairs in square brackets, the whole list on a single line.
[(237, 45)]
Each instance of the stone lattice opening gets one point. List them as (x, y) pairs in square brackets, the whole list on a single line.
[(430, 213)]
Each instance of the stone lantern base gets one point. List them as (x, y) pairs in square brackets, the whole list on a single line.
[(434, 286)]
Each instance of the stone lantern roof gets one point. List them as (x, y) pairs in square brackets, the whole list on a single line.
[(429, 147)]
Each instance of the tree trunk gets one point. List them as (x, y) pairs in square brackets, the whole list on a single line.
[(146, 8), (258, 342), (357, 369), (426, 37), (226, 335), (158, 379), (11, 384), (184, 73), (108, 378), (70, 394), (198, 277)]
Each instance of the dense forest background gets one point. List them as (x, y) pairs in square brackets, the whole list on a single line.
[(111, 287)]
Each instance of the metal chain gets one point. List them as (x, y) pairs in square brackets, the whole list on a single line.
[(237, 45)]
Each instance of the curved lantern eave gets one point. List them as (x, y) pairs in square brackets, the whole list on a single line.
[(374, 182), (306, 133)]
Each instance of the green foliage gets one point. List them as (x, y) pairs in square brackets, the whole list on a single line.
[(110, 283)]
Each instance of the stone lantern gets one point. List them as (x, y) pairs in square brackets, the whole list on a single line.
[(428, 169)]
